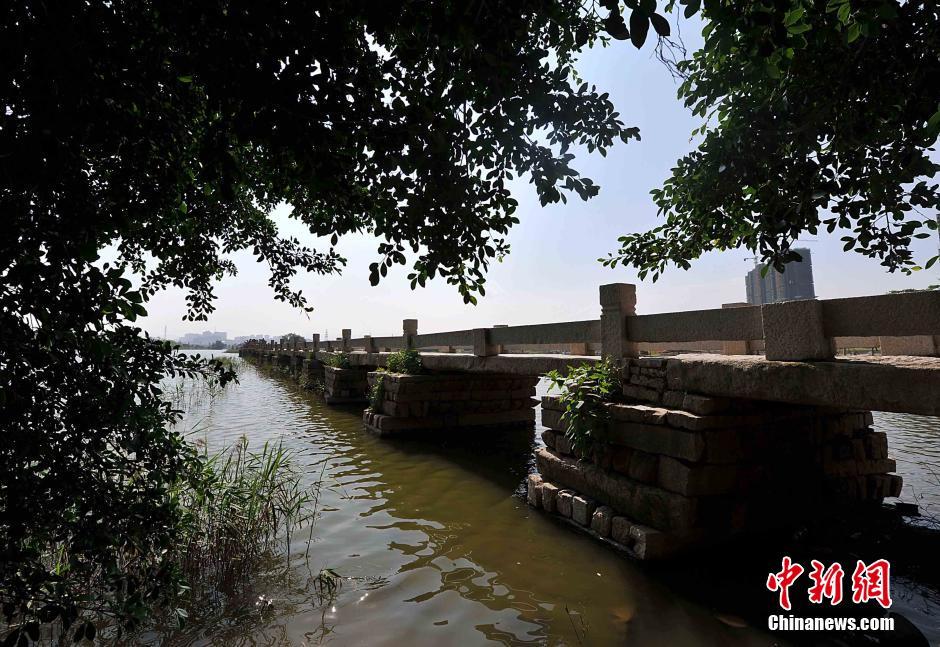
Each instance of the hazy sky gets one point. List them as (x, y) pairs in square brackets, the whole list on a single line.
[(552, 273)]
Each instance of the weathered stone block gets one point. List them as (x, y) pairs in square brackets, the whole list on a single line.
[(600, 520), (601, 456), (654, 383), (563, 502), (582, 509), (620, 531), (641, 413), (649, 543), (533, 490), (735, 348), (917, 345), (634, 392), (657, 439), (696, 480), (552, 419), (620, 458), (673, 399), (562, 444), (552, 402), (644, 467), (548, 437), (876, 445), (704, 405), (794, 331), (649, 362), (693, 422), (549, 494)]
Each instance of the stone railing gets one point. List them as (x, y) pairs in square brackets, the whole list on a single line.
[(792, 330)]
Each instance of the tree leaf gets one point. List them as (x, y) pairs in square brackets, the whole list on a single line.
[(639, 27)]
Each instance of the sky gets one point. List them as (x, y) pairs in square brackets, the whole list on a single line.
[(552, 273)]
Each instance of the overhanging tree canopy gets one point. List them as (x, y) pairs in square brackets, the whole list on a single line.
[(171, 130), (820, 114)]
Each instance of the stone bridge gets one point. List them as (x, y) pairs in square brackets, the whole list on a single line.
[(701, 444)]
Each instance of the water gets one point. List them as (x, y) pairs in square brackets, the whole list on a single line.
[(913, 443), (437, 547)]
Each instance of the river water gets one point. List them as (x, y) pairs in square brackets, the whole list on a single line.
[(436, 546)]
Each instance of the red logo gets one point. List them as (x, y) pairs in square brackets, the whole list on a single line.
[(783, 580), (872, 582), (869, 582), (827, 583)]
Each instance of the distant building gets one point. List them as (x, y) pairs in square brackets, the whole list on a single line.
[(204, 339), (795, 282)]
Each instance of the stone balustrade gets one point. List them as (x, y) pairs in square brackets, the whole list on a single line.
[(789, 331)]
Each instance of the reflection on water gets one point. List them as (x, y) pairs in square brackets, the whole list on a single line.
[(436, 546)]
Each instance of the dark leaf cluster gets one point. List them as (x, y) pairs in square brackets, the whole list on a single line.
[(818, 115), (166, 133)]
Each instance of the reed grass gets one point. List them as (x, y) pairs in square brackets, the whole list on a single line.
[(240, 510), (185, 393)]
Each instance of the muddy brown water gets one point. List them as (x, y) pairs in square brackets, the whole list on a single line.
[(435, 544)]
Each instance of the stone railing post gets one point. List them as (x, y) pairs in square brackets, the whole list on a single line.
[(794, 331), (347, 335), (369, 344), (315, 344), (618, 301), (481, 343), (735, 346), (499, 347), (409, 329)]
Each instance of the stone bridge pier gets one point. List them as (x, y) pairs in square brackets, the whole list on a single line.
[(675, 469), (450, 402)]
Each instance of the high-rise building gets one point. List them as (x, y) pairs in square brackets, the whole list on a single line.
[(795, 282)]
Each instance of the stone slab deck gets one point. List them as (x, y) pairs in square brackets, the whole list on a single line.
[(900, 384)]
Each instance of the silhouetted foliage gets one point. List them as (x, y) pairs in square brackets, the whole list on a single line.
[(817, 114), (166, 132)]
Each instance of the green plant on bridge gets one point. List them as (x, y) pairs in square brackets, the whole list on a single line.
[(407, 361), (584, 393), (377, 393), (338, 360)]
